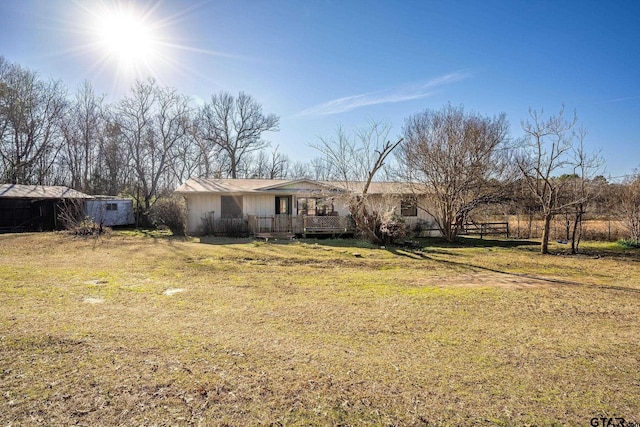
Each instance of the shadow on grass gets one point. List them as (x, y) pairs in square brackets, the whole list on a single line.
[(221, 241), (474, 242), (427, 249), (423, 254)]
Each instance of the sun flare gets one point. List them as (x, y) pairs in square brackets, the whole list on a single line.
[(127, 38)]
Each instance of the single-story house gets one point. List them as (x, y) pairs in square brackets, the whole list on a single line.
[(36, 207), (302, 206), (110, 211)]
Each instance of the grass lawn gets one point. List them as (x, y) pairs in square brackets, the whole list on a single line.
[(141, 329)]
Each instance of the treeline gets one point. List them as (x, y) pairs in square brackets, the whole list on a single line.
[(143, 145), (154, 138)]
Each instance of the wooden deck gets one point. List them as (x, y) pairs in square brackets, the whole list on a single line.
[(285, 225)]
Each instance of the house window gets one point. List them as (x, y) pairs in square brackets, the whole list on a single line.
[(112, 206), (315, 206), (231, 207), (408, 206)]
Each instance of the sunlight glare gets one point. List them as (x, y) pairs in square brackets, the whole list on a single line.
[(127, 41), (127, 38), (124, 37)]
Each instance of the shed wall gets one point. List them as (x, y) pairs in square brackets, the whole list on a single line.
[(123, 215)]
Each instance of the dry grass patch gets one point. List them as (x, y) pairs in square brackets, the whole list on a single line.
[(305, 333)]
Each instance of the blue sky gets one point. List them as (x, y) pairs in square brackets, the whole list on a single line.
[(320, 64)]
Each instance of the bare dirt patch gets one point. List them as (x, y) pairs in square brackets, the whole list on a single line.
[(96, 282), (173, 291)]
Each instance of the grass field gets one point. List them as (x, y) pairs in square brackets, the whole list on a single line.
[(148, 330)]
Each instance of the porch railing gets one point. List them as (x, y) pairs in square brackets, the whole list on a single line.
[(280, 224), (328, 224)]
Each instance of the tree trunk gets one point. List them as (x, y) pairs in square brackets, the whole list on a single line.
[(577, 232), (365, 222), (234, 167), (544, 247)]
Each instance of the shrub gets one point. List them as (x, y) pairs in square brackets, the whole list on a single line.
[(88, 227), (73, 218), (393, 228), (207, 224), (170, 212), (629, 244)]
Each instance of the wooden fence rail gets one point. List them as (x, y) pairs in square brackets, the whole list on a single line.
[(486, 228)]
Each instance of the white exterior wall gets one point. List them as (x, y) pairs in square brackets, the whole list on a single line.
[(259, 204), (422, 217), (340, 206), (200, 204), (264, 205), (97, 210), (197, 206)]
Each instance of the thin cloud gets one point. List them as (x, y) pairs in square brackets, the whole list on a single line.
[(611, 101), (386, 96)]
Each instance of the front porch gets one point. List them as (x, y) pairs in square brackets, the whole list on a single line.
[(287, 226)]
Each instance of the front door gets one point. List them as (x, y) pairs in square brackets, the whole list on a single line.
[(283, 205)]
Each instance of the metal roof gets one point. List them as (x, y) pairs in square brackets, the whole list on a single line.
[(19, 191), (212, 185)]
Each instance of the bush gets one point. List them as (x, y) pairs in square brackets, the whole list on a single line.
[(629, 244), (393, 228), (207, 224), (73, 218), (87, 227), (171, 213)]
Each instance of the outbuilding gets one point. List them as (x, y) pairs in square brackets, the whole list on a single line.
[(110, 211), (36, 207)]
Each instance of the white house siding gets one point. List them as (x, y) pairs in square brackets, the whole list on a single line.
[(259, 204), (263, 204), (340, 206), (197, 206), (423, 218), (200, 204), (122, 215)]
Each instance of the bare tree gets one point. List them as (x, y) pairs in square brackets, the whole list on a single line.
[(236, 125), (273, 165), (455, 161), (113, 172), (299, 170), (152, 121), (30, 111), (319, 169), (212, 162), (549, 148), (278, 164), (190, 160), (81, 127), (354, 162), (582, 188), (629, 210)]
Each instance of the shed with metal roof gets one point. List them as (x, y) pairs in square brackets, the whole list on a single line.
[(35, 207)]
